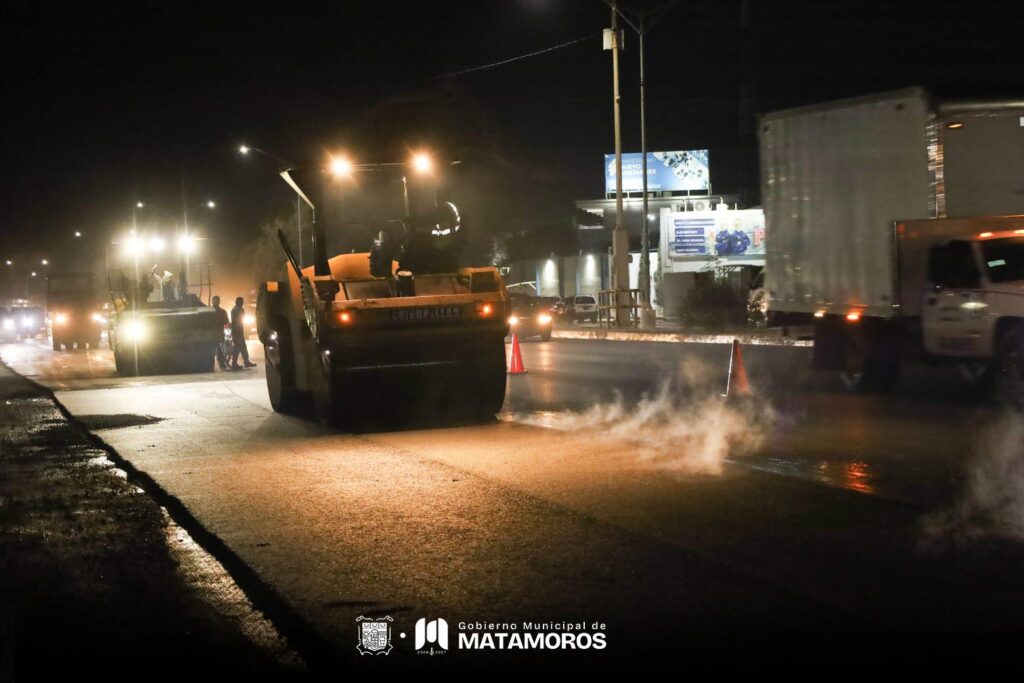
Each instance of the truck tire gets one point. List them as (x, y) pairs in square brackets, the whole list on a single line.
[(1008, 371), (125, 364), (867, 354), (871, 360), (201, 362), (280, 368), (877, 377), (56, 345), (546, 336)]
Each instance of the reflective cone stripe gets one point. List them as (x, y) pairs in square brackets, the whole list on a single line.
[(737, 383), (515, 367)]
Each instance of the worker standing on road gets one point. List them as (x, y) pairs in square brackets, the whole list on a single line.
[(222, 316), (238, 336)]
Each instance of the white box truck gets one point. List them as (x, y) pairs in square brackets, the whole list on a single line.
[(895, 225)]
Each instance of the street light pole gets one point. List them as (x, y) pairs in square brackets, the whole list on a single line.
[(185, 270), (640, 23), (620, 238), (284, 173)]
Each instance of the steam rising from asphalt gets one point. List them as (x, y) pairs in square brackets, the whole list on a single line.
[(676, 429), (993, 499)]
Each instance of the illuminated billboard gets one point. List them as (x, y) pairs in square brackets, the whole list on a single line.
[(685, 171)]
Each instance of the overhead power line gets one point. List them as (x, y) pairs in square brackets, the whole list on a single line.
[(515, 59)]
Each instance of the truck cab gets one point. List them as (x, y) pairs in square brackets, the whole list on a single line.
[(973, 307), (75, 315)]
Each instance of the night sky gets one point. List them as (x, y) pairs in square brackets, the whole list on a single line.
[(108, 103)]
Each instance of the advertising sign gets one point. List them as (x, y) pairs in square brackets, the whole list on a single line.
[(684, 171), (717, 233)]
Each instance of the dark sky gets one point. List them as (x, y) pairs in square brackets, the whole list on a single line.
[(110, 102)]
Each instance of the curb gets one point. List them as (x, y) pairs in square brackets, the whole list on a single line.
[(318, 654), (682, 337)]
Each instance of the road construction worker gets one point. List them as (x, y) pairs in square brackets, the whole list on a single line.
[(222, 316), (166, 282), (238, 336)]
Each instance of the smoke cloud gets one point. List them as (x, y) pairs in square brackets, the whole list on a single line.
[(678, 428), (992, 503)]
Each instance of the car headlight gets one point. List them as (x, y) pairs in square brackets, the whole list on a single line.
[(61, 318), (544, 319), (26, 322), (134, 331), (513, 320), (8, 324)]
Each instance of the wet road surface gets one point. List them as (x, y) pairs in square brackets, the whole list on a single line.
[(806, 513)]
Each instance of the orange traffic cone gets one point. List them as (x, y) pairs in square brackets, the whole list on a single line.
[(515, 367), (736, 384)]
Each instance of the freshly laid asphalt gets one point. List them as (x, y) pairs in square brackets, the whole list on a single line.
[(616, 486)]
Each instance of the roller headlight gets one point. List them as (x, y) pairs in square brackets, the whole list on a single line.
[(26, 322), (61, 319), (513, 320), (134, 331), (8, 324), (248, 320)]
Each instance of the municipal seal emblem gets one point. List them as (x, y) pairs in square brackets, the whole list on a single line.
[(374, 635)]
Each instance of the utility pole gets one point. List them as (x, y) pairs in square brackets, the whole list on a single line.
[(640, 23), (620, 238)]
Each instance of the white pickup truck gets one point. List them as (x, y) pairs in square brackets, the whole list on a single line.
[(973, 308)]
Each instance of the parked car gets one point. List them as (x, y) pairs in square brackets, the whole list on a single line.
[(559, 310), (529, 317), (582, 307)]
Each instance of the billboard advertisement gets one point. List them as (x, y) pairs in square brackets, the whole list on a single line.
[(718, 234), (684, 171)]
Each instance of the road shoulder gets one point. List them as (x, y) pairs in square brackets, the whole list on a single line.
[(95, 576)]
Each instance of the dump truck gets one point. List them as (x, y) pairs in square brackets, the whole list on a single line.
[(161, 326), (895, 226), (394, 330), (76, 319)]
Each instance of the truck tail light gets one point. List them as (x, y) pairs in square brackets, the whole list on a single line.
[(345, 317), (484, 309), (853, 316)]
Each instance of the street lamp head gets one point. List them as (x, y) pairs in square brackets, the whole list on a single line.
[(243, 149), (422, 163), (134, 246), (33, 273), (211, 204), (186, 244), (78, 233), (340, 167), (9, 262), (139, 205), (44, 262)]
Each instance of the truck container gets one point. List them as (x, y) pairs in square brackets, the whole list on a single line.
[(858, 194)]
